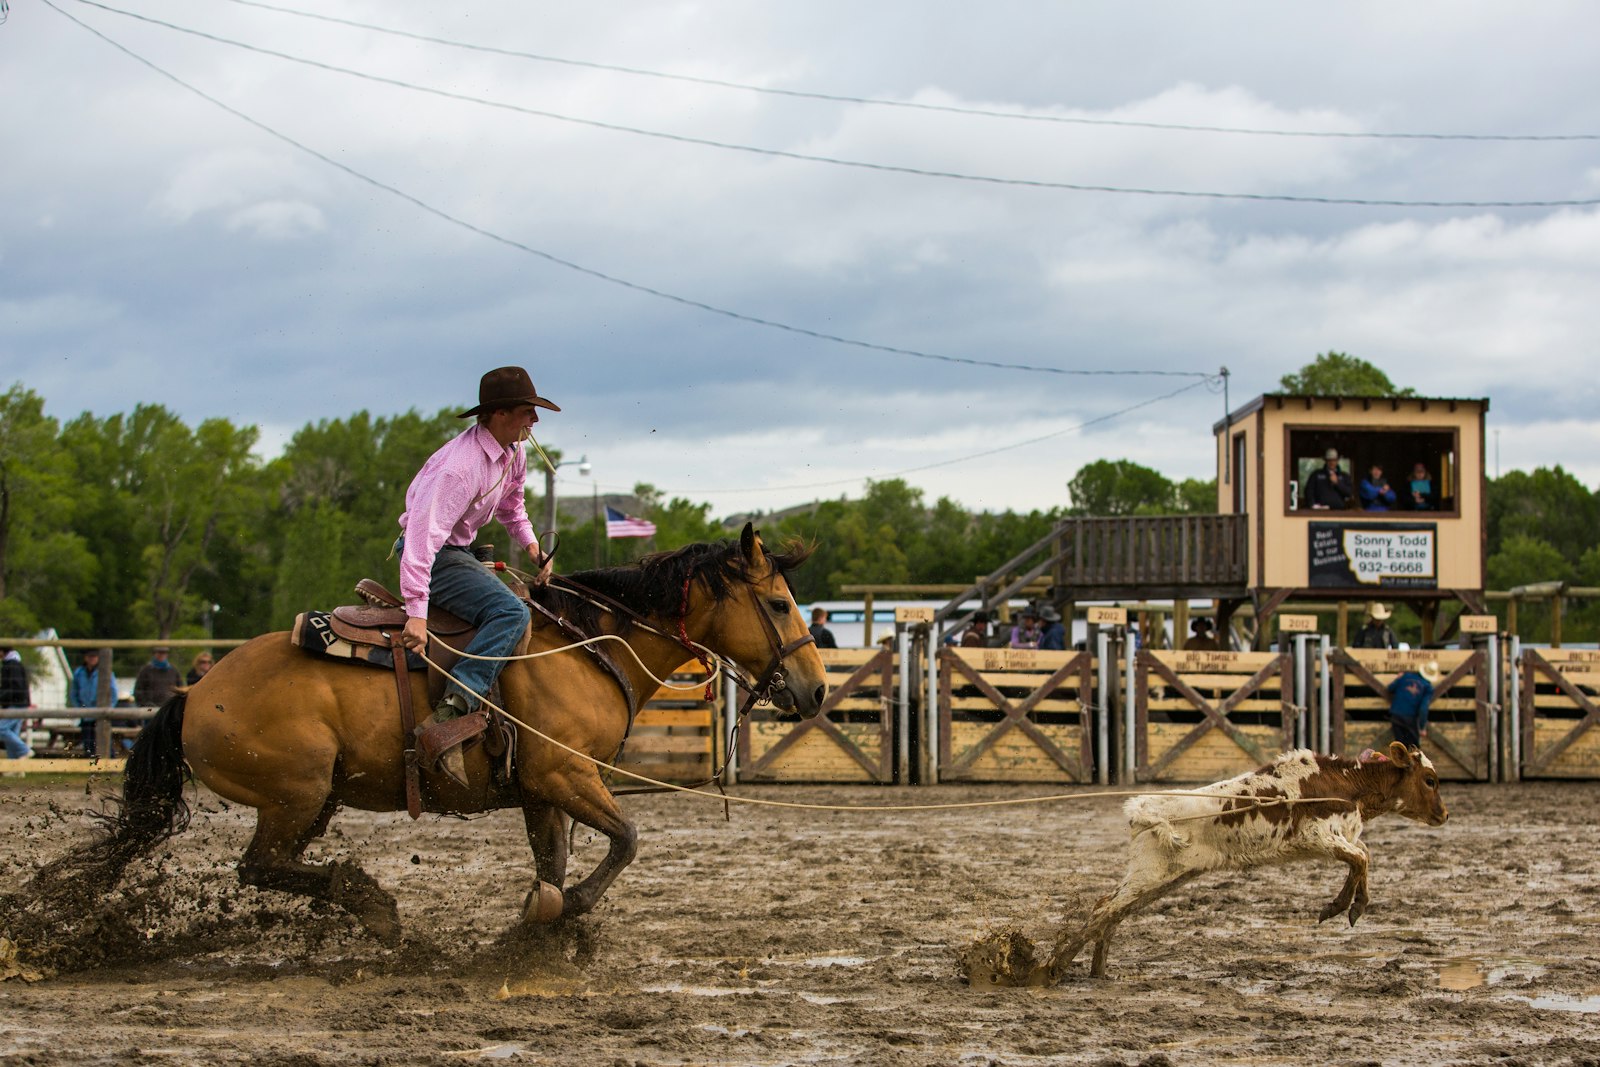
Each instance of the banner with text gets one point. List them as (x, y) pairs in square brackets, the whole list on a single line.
[(1363, 555)]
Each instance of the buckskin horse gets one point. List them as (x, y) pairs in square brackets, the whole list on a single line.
[(296, 736)]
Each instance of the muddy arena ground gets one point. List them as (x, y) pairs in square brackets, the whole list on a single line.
[(804, 937)]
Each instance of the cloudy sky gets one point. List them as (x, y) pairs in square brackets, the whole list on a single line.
[(340, 242)]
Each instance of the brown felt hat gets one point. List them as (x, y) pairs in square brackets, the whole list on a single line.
[(506, 387)]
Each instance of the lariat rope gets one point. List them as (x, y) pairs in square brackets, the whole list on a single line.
[(1255, 802)]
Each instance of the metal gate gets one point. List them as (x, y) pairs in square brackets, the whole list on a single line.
[(1015, 715), (1459, 733), (1558, 697), (1203, 716), (850, 740)]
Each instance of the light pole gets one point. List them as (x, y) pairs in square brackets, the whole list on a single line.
[(550, 487)]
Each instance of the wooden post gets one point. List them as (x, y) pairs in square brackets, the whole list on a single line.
[(866, 620), (102, 699), (1180, 622), (1341, 629), (1556, 602), (1511, 617), (1429, 614)]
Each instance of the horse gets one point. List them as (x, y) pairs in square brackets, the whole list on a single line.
[(296, 736)]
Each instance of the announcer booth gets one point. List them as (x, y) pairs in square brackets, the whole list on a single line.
[(1421, 548)]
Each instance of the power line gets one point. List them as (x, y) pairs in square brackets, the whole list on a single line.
[(1032, 183), (612, 279), (958, 459), (953, 109)]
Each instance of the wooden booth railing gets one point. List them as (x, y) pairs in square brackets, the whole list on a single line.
[(1015, 715), (1160, 551), (1201, 716), (1559, 698), (852, 739), (1458, 738)]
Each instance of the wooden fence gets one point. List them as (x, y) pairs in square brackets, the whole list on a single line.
[(1202, 716), (1458, 738), (675, 735), (1559, 697), (852, 739), (1015, 715)]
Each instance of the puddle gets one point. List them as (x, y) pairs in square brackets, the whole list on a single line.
[(836, 961), (1560, 1002), (493, 1052), (1469, 972), (700, 990)]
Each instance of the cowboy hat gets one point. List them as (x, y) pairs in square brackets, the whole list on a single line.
[(1049, 614), (1430, 671), (506, 387), (1378, 611)]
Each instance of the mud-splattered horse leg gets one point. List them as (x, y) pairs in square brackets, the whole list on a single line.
[(547, 827), (580, 793), (272, 861)]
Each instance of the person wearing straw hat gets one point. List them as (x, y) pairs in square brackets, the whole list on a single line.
[(1376, 633), (1409, 698), (476, 476)]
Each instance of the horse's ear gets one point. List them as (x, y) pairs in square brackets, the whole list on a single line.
[(750, 544)]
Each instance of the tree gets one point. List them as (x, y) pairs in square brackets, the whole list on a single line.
[(1196, 497), (1120, 487), (1339, 374), (1548, 504), (46, 570), (1522, 560)]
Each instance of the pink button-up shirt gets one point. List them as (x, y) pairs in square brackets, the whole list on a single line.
[(470, 480)]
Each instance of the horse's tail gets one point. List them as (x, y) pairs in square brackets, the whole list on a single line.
[(152, 808)]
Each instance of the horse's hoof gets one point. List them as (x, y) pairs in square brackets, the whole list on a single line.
[(544, 904)]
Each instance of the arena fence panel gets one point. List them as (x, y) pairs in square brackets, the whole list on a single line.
[(850, 740), (1203, 716), (1015, 715), (1559, 698), (1459, 735)]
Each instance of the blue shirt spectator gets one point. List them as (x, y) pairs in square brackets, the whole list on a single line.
[(1054, 635), (85, 693), (1421, 489), (1375, 492), (1410, 696)]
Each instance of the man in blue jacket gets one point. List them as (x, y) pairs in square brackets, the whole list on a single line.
[(1409, 698), (1376, 494)]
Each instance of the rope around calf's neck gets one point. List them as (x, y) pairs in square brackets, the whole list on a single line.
[(1257, 802)]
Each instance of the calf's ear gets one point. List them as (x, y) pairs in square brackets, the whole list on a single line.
[(1400, 754)]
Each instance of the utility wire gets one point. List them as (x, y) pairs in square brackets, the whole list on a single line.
[(1032, 183), (612, 279), (952, 109), (958, 459)]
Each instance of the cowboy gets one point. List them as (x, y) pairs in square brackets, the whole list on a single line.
[(1376, 633), (476, 476), (1410, 696)]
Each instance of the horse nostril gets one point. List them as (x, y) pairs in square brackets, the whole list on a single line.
[(820, 695)]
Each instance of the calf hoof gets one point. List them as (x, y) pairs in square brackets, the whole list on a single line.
[(1329, 911), (544, 904)]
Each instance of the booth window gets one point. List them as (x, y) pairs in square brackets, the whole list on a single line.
[(1399, 452)]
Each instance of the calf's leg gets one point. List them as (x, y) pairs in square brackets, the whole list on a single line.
[(1352, 896)]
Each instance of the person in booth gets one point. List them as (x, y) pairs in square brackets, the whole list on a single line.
[(1376, 495), (1328, 488)]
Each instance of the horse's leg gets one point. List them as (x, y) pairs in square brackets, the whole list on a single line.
[(272, 861), (547, 837), (585, 797)]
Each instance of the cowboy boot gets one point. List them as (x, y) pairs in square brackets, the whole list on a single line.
[(451, 762)]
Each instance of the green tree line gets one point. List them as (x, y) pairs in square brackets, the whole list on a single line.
[(140, 525)]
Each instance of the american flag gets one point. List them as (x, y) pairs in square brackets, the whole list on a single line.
[(620, 525)]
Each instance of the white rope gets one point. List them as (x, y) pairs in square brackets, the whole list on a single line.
[(715, 674), (1258, 802)]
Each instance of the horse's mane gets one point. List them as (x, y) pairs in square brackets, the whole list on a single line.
[(653, 585)]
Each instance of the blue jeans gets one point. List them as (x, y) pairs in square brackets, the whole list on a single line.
[(11, 734), (465, 587)]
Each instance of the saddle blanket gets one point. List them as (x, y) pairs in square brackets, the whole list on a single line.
[(313, 631)]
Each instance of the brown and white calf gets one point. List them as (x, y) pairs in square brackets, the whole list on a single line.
[(1176, 838)]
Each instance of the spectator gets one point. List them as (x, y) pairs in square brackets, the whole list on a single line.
[(1054, 634), (13, 694), (1202, 635), (85, 693), (1375, 492), (1025, 634), (1409, 697), (197, 669), (1376, 633), (976, 634), (156, 681), (1328, 487), (1421, 488), (819, 629)]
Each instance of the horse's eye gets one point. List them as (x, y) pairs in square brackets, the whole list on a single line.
[(778, 607)]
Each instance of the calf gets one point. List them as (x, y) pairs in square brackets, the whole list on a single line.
[(1176, 838)]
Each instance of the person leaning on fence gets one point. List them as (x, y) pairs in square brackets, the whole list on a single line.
[(1202, 635), (1376, 633), (1054, 635), (1421, 488), (1328, 487), (85, 693), (476, 476), (976, 635), (819, 629), (1025, 634), (13, 694), (157, 680), (1410, 696), (197, 669)]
